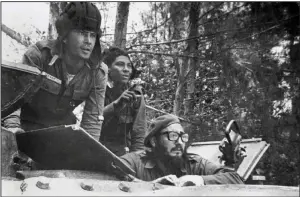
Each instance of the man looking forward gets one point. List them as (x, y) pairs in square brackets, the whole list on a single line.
[(168, 162)]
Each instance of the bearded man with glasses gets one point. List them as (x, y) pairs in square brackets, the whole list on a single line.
[(167, 162)]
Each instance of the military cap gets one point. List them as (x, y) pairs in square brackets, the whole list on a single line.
[(81, 16), (158, 124)]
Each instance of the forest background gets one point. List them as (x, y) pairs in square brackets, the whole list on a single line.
[(207, 62)]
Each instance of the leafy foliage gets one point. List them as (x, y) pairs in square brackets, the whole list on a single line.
[(237, 77)]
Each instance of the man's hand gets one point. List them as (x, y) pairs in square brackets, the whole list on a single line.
[(167, 180), (232, 154), (191, 180), (16, 130), (126, 97)]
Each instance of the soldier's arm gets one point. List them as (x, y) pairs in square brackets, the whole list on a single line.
[(139, 127), (33, 57), (133, 161), (92, 116), (130, 159), (215, 174), (109, 109), (113, 108)]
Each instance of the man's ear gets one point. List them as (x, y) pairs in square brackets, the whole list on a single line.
[(153, 142)]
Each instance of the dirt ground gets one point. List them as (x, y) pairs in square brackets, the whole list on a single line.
[(73, 187)]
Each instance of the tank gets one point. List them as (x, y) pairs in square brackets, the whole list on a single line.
[(90, 183), (66, 182)]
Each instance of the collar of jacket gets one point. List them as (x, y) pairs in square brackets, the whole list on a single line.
[(55, 47), (110, 83)]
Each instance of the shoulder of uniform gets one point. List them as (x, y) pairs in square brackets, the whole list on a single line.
[(193, 157), (100, 66), (45, 44), (133, 155), (45, 48)]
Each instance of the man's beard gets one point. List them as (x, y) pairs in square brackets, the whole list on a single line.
[(172, 160)]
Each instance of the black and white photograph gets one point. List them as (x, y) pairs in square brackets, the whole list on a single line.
[(145, 98)]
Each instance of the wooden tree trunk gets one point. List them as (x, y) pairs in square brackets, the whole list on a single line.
[(191, 49), (295, 62), (55, 9), (121, 24), (175, 7), (179, 94)]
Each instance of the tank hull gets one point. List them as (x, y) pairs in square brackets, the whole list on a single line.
[(73, 187)]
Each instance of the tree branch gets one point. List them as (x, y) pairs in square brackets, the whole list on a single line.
[(212, 19), (195, 37), (146, 30), (206, 13), (192, 38), (168, 42), (239, 40), (166, 54), (187, 39), (22, 39)]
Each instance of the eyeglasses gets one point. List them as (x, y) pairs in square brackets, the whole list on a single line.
[(174, 136)]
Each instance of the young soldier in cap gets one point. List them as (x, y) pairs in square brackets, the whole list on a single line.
[(168, 162), (124, 123), (74, 58)]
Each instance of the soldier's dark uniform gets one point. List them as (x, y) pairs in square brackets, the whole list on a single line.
[(148, 168), (53, 104), (126, 127)]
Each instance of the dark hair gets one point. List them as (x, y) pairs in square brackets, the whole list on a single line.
[(79, 15), (109, 56)]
